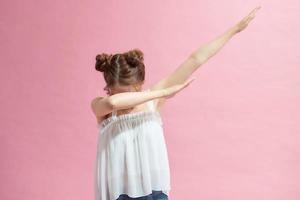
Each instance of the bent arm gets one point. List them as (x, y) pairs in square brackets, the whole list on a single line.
[(104, 105), (130, 99)]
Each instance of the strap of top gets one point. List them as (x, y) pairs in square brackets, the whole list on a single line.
[(150, 105), (113, 114)]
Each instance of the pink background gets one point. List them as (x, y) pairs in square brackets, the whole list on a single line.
[(232, 134)]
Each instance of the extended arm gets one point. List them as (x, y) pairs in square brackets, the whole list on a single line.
[(200, 56), (192, 63)]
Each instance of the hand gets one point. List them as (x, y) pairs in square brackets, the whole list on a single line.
[(171, 91), (245, 21)]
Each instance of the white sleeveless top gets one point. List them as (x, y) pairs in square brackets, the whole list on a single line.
[(132, 157)]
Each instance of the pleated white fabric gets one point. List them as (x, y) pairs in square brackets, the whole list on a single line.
[(132, 157)]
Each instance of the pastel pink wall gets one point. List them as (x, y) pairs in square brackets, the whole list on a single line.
[(232, 134)]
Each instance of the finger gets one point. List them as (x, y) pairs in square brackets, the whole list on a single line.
[(252, 13), (258, 7), (187, 82), (190, 80), (252, 17), (248, 20), (193, 78), (255, 10)]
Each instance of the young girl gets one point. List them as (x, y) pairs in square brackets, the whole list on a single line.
[(132, 159)]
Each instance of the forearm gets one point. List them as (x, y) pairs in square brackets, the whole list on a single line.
[(202, 54), (126, 100), (196, 59)]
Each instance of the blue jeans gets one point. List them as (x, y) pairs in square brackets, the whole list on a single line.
[(156, 195)]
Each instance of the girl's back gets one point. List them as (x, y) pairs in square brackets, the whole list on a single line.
[(132, 157)]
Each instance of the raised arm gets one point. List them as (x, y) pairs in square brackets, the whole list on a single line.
[(200, 56)]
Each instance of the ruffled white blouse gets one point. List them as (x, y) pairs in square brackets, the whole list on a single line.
[(132, 157)]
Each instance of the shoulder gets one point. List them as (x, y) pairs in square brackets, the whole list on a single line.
[(94, 100), (93, 105)]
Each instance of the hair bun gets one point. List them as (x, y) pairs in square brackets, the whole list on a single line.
[(134, 57), (102, 62)]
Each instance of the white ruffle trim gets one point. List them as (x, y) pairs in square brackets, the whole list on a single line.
[(140, 116)]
